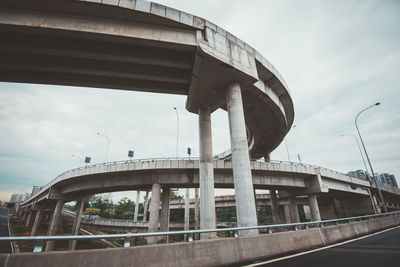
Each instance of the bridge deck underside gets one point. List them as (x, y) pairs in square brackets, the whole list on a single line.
[(36, 55)]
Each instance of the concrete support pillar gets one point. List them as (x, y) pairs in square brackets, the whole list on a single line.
[(274, 207), (136, 206), (28, 220), (146, 206), (54, 222), (294, 210), (267, 158), (164, 221), (245, 207), (154, 212), (36, 223), (77, 223), (187, 212), (25, 214), (206, 174), (196, 211), (315, 215), (286, 211)]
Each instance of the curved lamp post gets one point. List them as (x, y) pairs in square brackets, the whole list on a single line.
[(366, 154), (359, 149), (287, 149), (108, 144)]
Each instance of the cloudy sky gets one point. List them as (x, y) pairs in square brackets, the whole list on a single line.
[(337, 57)]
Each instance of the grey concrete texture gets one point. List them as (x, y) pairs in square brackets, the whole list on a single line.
[(243, 182), (206, 173), (168, 28), (265, 174), (213, 252)]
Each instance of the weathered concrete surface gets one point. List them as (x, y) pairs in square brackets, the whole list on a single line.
[(204, 252), (244, 190)]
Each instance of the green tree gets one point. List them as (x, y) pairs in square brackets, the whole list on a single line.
[(124, 209), (103, 202)]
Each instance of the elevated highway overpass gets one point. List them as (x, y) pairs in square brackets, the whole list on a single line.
[(137, 45), (336, 194)]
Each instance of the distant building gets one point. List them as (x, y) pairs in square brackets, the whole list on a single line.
[(17, 198), (387, 178), (35, 189), (5, 196), (360, 174)]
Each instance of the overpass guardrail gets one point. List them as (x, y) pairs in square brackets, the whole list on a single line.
[(39, 240), (127, 161)]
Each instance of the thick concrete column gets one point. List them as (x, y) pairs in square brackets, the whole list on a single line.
[(154, 212), (136, 206), (286, 211), (315, 215), (36, 223), (206, 174), (245, 208), (274, 207), (54, 222), (164, 221), (25, 214), (77, 223), (294, 210), (146, 206), (28, 220)]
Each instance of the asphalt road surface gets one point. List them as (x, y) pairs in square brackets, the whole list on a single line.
[(5, 246), (380, 250)]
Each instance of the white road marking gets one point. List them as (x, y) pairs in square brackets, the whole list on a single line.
[(318, 249)]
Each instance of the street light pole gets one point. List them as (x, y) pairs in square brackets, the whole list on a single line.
[(359, 149), (108, 144), (177, 133), (287, 149), (366, 154)]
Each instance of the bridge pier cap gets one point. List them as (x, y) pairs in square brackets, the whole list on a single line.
[(151, 48)]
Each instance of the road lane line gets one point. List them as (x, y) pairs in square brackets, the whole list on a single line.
[(318, 249)]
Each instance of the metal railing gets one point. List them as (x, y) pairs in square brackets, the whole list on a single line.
[(39, 240), (173, 159)]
